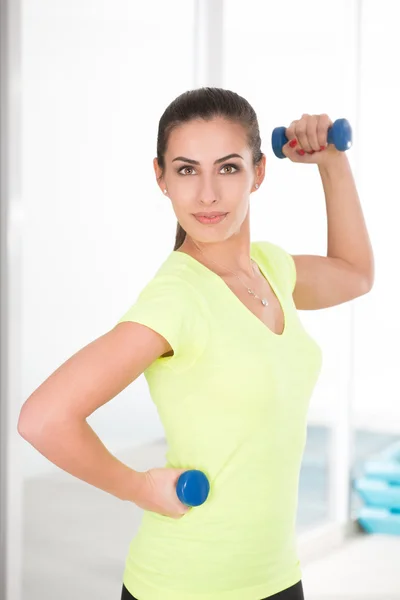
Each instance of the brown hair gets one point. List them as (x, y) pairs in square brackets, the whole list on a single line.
[(207, 103)]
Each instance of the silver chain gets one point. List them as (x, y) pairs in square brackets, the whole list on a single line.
[(264, 301)]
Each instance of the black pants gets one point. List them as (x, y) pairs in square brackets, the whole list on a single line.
[(295, 592)]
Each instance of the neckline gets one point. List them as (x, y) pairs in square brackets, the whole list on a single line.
[(243, 307)]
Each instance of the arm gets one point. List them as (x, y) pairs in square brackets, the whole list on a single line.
[(348, 238), (53, 418), (347, 271)]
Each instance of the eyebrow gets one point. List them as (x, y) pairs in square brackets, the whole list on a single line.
[(216, 162)]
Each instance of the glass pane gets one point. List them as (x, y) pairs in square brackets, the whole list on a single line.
[(377, 387), (97, 77), (314, 484)]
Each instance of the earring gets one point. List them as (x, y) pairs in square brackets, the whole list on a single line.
[(165, 191), (257, 186)]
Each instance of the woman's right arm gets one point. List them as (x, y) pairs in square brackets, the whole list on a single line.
[(53, 418)]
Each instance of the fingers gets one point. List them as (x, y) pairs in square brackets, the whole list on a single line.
[(290, 150), (324, 122), (310, 132), (291, 131), (303, 131), (312, 135)]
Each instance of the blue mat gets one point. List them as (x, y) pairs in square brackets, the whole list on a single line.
[(379, 488)]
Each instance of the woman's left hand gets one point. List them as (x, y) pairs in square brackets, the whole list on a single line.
[(308, 140)]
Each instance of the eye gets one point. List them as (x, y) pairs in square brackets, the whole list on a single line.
[(230, 167), (185, 169)]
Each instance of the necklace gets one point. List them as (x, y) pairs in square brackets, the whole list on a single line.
[(263, 301)]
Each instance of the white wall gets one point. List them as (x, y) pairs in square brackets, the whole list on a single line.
[(96, 79), (288, 58), (378, 317)]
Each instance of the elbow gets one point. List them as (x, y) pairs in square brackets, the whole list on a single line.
[(368, 283), (26, 424), (31, 422), (40, 426), (369, 277), (364, 288), (365, 282)]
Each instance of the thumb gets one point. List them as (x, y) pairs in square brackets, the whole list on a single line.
[(176, 473), (290, 149), (295, 152)]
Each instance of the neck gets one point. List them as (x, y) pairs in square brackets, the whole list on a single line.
[(225, 258), (230, 255)]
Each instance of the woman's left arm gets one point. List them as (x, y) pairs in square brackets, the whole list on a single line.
[(347, 271)]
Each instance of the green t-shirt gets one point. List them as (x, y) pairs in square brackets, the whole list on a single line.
[(233, 400)]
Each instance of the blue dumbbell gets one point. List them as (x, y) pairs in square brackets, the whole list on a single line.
[(339, 134), (192, 488)]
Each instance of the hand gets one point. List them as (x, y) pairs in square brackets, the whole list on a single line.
[(156, 492), (308, 140)]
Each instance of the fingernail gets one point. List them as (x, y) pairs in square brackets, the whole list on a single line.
[(322, 148), (293, 143), (312, 152), (301, 152)]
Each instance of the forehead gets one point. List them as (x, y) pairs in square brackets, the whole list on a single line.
[(215, 138)]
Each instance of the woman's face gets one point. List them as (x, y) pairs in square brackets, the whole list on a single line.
[(209, 168)]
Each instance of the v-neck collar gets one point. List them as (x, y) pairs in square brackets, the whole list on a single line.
[(254, 254)]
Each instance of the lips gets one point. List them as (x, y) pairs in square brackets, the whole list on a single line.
[(206, 219), (209, 214)]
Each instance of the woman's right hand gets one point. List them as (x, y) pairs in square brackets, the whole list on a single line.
[(156, 491)]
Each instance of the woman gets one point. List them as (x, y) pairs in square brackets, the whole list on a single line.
[(229, 365)]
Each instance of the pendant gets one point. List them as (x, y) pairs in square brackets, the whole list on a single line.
[(264, 301)]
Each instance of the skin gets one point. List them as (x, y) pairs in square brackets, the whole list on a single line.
[(210, 187)]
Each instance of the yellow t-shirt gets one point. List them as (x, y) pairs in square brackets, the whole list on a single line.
[(233, 401)]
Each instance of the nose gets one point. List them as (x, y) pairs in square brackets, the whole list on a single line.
[(208, 192)]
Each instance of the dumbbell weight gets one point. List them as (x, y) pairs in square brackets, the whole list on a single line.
[(192, 487), (339, 134)]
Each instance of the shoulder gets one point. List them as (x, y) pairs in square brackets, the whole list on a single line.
[(170, 305), (276, 259), (172, 283), (171, 286)]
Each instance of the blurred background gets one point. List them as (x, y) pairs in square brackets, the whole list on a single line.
[(84, 226)]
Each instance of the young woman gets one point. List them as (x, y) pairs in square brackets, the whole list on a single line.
[(229, 365)]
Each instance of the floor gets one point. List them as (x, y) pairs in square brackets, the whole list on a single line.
[(76, 537), (365, 568)]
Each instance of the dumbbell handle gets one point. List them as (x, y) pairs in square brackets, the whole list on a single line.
[(339, 134), (192, 487)]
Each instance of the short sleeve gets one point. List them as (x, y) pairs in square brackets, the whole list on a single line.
[(292, 269), (172, 307)]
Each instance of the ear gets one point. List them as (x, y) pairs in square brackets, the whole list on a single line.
[(259, 172), (158, 173)]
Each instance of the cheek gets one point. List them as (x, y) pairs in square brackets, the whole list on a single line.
[(241, 183), (182, 203), (183, 187), (184, 190)]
